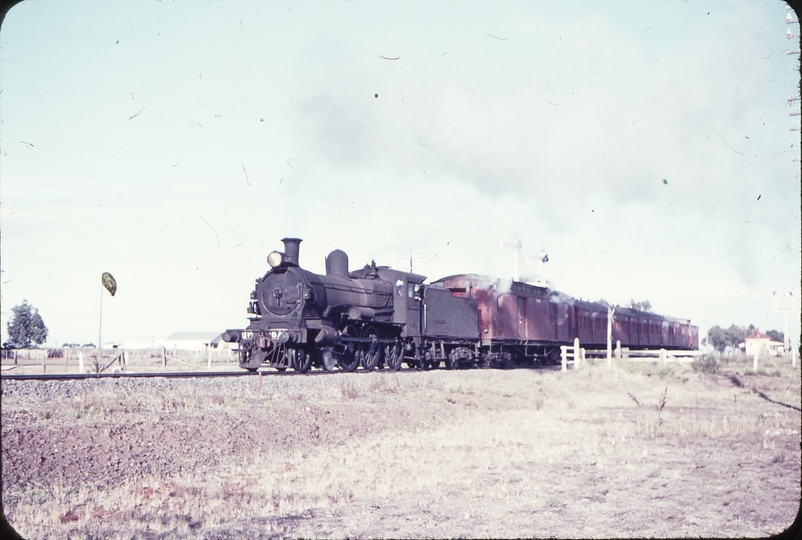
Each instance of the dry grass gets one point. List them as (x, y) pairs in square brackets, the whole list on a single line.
[(594, 452)]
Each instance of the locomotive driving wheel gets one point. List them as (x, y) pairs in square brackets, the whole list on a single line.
[(393, 356), (369, 353), (301, 360), (349, 360)]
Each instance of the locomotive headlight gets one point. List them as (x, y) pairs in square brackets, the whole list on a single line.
[(275, 259)]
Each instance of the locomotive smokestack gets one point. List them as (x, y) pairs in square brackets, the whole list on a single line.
[(291, 249)]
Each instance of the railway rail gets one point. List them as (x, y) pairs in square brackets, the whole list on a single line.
[(200, 374), (142, 375)]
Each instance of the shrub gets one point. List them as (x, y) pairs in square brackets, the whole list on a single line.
[(705, 364)]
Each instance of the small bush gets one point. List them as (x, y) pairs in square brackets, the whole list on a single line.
[(385, 385), (349, 390), (705, 364)]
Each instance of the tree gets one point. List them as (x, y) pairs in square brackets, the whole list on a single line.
[(776, 336), (735, 336), (717, 337), (26, 326)]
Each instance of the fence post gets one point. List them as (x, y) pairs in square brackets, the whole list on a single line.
[(618, 348), (662, 356), (80, 361), (577, 353), (563, 355), (64, 353), (209, 347), (754, 363), (164, 356)]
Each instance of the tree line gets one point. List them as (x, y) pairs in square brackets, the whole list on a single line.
[(733, 336)]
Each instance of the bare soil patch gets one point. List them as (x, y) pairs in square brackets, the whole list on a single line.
[(482, 453)]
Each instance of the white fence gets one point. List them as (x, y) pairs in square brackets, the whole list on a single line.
[(93, 360), (576, 355), (572, 355)]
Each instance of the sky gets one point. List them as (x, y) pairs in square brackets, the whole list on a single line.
[(647, 147)]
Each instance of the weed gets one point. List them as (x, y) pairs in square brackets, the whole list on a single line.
[(554, 502), (705, 364), (778, 458), (39, 495), (661, 404), (349, 390), (635, 400), (385, 384)]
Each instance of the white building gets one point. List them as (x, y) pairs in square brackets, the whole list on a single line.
[(759, 343), (184, 341)]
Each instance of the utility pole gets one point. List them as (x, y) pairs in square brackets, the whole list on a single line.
[(100, 326), (784, 302), (610, 314)]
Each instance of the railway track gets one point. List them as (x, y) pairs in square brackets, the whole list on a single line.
[(143, 375), (194, 374)]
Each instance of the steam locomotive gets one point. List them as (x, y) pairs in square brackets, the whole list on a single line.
[(379, 317)]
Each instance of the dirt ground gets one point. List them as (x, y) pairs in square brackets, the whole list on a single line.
[(633, 451)]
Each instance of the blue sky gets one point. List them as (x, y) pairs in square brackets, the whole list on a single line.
[(174, 144)]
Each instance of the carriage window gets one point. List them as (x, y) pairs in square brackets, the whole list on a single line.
[(410, 290), (399, 288)]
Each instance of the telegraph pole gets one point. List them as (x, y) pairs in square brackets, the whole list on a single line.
[(784, 302), (100, 326)]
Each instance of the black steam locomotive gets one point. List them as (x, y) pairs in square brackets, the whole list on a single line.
[(380, 317)]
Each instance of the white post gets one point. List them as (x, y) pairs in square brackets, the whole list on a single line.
[(563, 355), (618, 348), (754, 362), (80, 362), (662, 356), (610, 313), (577, 357), (100, 327)]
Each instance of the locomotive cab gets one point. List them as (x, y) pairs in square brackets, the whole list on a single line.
[(407, 295)]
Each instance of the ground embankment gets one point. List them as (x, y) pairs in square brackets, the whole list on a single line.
[(629, 451)]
